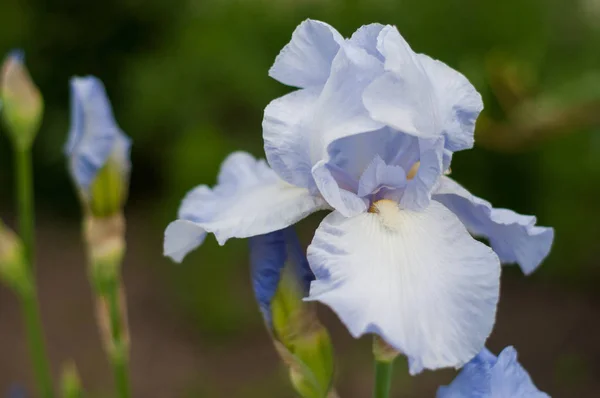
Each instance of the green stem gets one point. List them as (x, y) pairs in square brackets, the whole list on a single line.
[(120, 353), (24, 188), (29, 301), (41, 367), (121, 372), (383, 378)]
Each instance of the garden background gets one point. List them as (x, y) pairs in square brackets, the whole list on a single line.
[(188, 81)]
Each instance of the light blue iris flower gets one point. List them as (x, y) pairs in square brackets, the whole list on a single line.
[(488, 376), (94, 137), (369, 134)]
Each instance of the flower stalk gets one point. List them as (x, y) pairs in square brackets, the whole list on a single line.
[(384, 356), (15, 272), (26, 289), (106, 247), (22, 114), (24, 199)]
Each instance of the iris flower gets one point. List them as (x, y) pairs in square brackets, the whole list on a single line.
[(488, 376), (370, 134)]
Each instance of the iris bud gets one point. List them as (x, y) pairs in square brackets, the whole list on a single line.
[(22, 102)]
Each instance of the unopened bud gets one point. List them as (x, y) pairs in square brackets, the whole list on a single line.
[(281, 277), (108, 191), (302, 342), (22, 103), (71, 384), (13, 266)]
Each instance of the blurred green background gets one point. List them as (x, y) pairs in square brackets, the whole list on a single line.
[(188, 81)]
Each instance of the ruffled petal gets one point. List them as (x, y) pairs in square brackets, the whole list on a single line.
[(402, 97), (299, 127), (510, 379), (339, 111), (181, 237), (489, 377), (306, 60), (515, 238), (366, 38), (249, 200), (417, 279), (94, 132), (287, 144), (421, 96), (458, 103)]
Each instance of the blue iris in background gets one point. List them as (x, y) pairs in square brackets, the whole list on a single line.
[(488, 376), (94, 138)]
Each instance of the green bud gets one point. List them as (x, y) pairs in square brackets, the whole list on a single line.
[(13, 266), (22, 102), (302, 342), (71, 385), (108, 191)]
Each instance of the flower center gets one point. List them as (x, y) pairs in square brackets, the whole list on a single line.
[(388, 212)]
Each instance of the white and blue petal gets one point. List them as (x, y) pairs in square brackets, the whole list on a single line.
[(366, 38), (514, 237), (306, 60), (287, 145), (269, 254), (422, 96), (249, 199), (299, 127), (457, 102), (417, 279), (489, 377), (94, 134), (402, 96)]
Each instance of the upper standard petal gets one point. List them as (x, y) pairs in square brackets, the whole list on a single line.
[(306, 60), (422, 96), (299, 127), (287, 145), (458, 103)]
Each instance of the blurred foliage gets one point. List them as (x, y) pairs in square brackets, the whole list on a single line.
[(188, 81)]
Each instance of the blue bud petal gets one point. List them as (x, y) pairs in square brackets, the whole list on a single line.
[(269, 254)]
